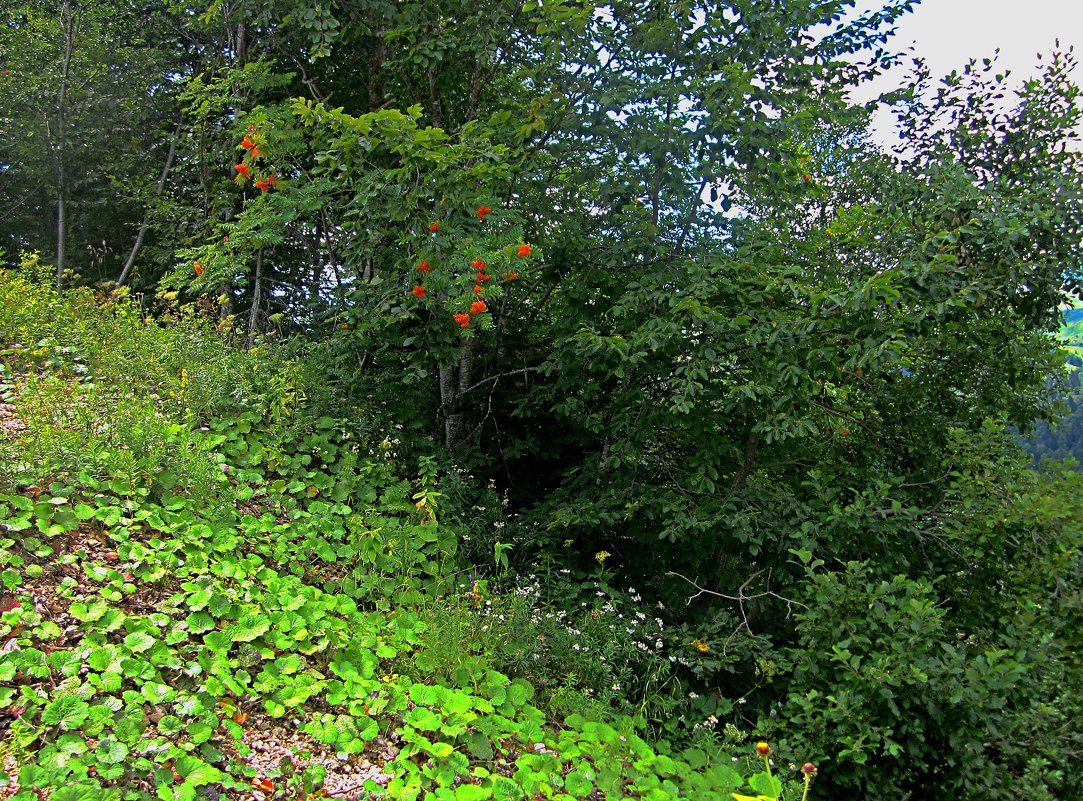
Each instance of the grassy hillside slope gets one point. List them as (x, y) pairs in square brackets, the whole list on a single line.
[(1064, 438), (1072, 331), (212, 590)]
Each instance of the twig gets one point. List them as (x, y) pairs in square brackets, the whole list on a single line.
[(740, 598), (484, 381)]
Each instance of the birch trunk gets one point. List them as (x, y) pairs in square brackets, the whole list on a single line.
[(257, 291), (455, 379), (67, 21)]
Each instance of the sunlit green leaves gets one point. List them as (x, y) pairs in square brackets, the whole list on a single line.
[(139, 641), (66, 712), (248, 628)]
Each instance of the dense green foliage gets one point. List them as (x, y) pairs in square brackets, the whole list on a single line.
[(624, 296)]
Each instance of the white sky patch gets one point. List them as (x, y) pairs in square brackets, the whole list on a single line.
[(948, 33)]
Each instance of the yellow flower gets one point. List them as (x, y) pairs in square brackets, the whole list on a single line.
[(701, 646), (568, 543), (601, 556)]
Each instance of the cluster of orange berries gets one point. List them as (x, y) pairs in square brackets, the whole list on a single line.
[(254, 154), (478, 306)]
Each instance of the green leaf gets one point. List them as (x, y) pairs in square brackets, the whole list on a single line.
[(578, 785), (288, 664), (139, 641), (110, 751), (199, 622), (220, 605), (725, 777), (200, 732), (199, 599), (325, 551), (519, 692), (196, 772), (103, 658), (765, 784), (157, 693), (423, 719), (479, 746), (179, 792), (66, 712), (218, 641), (85, 792), (425, 694), (249, 627), (170, 724), (367, 728), (441, 750), (108, 682), (472, 792)]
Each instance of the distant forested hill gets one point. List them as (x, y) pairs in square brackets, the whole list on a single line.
[(1065, 438), (1073, 333)]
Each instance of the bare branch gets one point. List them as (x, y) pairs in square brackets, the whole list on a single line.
[(741, 598), (497, 377)]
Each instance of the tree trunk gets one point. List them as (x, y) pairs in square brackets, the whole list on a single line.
[(314, 246), (225, 304), (436, 105), (61, 229), (719, 556), (376, 56), (253, 314), (146, 215), (67, 21), (455, 379)]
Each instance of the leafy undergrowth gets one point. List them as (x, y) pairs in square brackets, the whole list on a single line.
[(186, 575)]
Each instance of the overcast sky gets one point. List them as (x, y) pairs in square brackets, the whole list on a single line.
[(946, 33)]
